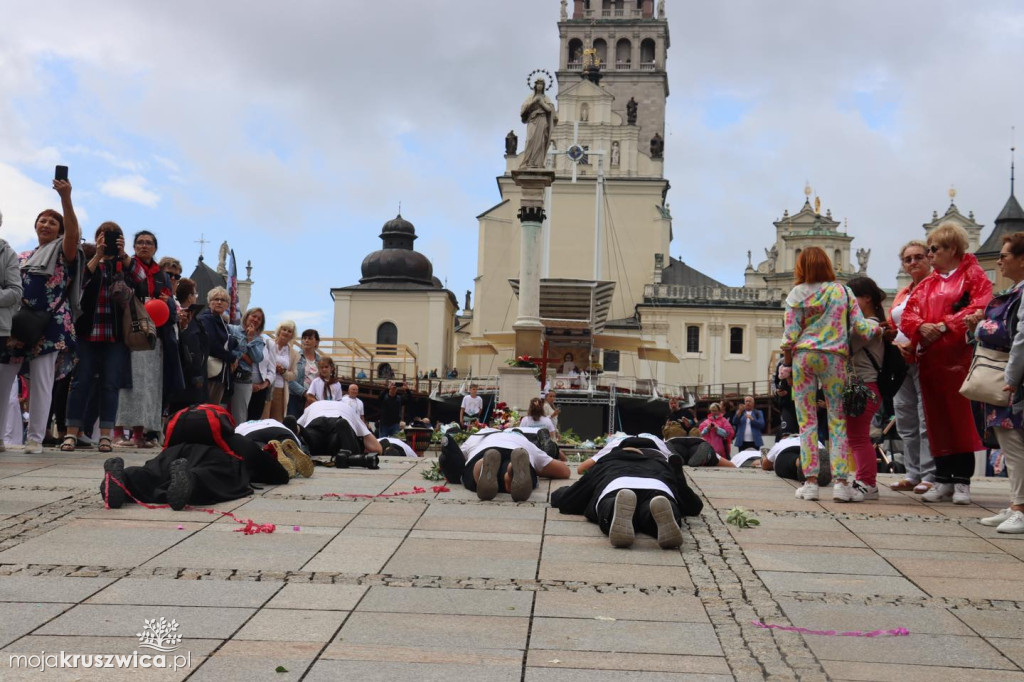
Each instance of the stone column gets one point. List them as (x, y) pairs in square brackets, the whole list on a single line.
[(529, 330)]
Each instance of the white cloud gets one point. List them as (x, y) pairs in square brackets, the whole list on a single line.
[(303, 319), (130, 188), (21, 200)]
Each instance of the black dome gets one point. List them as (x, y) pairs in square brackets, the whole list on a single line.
[(397, 262), (398, 225)]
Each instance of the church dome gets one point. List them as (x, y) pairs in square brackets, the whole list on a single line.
[(397, 262)]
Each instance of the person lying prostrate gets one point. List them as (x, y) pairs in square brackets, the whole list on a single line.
[(327, 409), (747, 459), (500, 461), (393, 447), (632, 489), (784, 460), (266, 430), (697, 452), (614, 442)]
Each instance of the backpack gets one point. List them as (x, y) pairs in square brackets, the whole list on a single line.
[(892, 372), (201, 425)]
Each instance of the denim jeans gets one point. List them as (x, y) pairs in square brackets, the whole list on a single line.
[(105, 361)]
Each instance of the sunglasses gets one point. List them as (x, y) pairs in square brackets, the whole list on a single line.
[(934, 248), (916, 257), (174, 275)]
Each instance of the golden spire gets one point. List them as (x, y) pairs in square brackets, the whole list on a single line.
[(952, 193), (817, 205), (807, 190)]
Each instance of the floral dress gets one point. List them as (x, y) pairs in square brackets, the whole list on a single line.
[(42, 293), (996, 332)]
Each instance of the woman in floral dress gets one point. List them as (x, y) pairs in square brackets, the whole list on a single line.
[(49, 282)]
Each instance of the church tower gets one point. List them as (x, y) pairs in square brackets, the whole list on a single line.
[(606, 214)]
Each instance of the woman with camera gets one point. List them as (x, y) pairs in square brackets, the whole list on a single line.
[(153, 372), (44, 325), (109, 273)]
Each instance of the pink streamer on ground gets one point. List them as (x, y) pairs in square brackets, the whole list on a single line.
[(251, 527), (416, 490), (897, 632)]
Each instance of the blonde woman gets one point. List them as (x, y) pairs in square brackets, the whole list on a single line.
[(282, 358)]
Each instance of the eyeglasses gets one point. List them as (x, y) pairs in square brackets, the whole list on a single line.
[(916, 257), (220, 300), (934, 248)]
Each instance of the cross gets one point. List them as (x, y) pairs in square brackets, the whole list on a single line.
[(201, 242), (577, 154)]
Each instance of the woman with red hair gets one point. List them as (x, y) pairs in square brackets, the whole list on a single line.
[(820, 315)]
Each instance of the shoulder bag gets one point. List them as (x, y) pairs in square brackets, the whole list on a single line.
[(138, 327), (986, 377), (856, 394)]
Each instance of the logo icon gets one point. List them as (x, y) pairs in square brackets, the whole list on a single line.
[(160, 635)]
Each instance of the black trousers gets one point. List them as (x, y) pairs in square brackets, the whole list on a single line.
[(956, 468), (506, 460), (643, 520)]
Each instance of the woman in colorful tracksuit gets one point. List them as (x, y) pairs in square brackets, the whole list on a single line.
[(820, 314)]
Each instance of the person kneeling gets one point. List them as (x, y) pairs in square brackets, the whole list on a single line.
[(632, 489)]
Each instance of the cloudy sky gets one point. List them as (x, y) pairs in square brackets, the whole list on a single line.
[(293, 130)]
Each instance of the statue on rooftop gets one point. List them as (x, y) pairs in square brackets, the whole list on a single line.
[(773, 257), (222, 260), (862, 260), (538, 113), (511, 143)]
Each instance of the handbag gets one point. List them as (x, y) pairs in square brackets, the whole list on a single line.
[(214, 367), (138, 327), (28, 325), (985, 379)]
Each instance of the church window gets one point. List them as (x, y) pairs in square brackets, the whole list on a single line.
[(736, 340), (387, 334), (611, 361), (623, 54), (837, 260), (602, 50), (575, 51), (647, 51), (692, 338)]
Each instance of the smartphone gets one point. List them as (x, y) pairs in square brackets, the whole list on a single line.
[(60, 173), (110, 242)]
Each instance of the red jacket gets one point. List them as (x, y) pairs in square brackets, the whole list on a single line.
[(944, 363)]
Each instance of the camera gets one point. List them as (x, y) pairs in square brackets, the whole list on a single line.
[(110, 242)]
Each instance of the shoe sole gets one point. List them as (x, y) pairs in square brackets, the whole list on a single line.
[(961, 501), (522, 482), (303, 462), (487, 484), (180, 489), (283, 459), (809, 498), (621, 533), (670, 536), (992, 521), (114, 493), (1015, 531)]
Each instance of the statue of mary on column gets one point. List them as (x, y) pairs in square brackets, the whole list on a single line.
[(538, 113)]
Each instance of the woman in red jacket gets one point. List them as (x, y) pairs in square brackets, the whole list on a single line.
[(933, 321)]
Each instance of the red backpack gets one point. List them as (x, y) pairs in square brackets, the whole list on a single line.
[(202, 425)]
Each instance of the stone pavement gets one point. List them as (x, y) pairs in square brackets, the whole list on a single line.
[(439, 586)]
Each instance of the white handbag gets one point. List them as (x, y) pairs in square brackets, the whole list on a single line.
[(986, 378)]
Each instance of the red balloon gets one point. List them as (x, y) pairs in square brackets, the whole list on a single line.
[(158, 311)]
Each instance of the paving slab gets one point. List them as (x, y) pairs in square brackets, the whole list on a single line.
[(628, 663), (330, 597), (839, 583), (973, 587), (946, 650), (899, 672), (219, 546), (637, 607), (930, 543), (355, 551), (817, 560), (14, 502), (992, 623), (1011, 648), (291, 512), (600, 551), (419, 556), (99, 543), (258, 661), (157, 592), (434, 631), (448, 601), (18, 588), (631, 636), (126, 621), (292, 625), (333, 670), (960, 565), (18, 619), (638, 574), (919, 620), (584, 675)]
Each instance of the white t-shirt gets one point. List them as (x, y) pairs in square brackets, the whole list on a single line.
[(409, 452), (472, 406), (543, 422), (634, 483), (785, 444), (334, 408), (549, 412), (277, 356), (743, 456), (493, 438), (245, 428), (316, 389), (614, 442), (355, 403)]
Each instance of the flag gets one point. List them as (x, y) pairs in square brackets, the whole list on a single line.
[(234, 311)]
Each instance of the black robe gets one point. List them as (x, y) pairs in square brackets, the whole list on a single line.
[(582, 496), (216, 475)]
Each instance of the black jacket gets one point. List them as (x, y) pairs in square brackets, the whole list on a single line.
[(581, 496)]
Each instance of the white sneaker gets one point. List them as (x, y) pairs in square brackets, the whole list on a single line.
[(870, 492), (844, 492), (998, 518), (808, 491), (33, 448), (961, 493), (940, 492), (1014, 524)]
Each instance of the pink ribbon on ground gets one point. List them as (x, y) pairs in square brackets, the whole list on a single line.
[(416, 490), (897, 632), (251, 527)]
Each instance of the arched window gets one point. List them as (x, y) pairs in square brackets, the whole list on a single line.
[(837, 260), (623, 54), (647, 51), (575, 51), (387, 334), (602, 50)]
